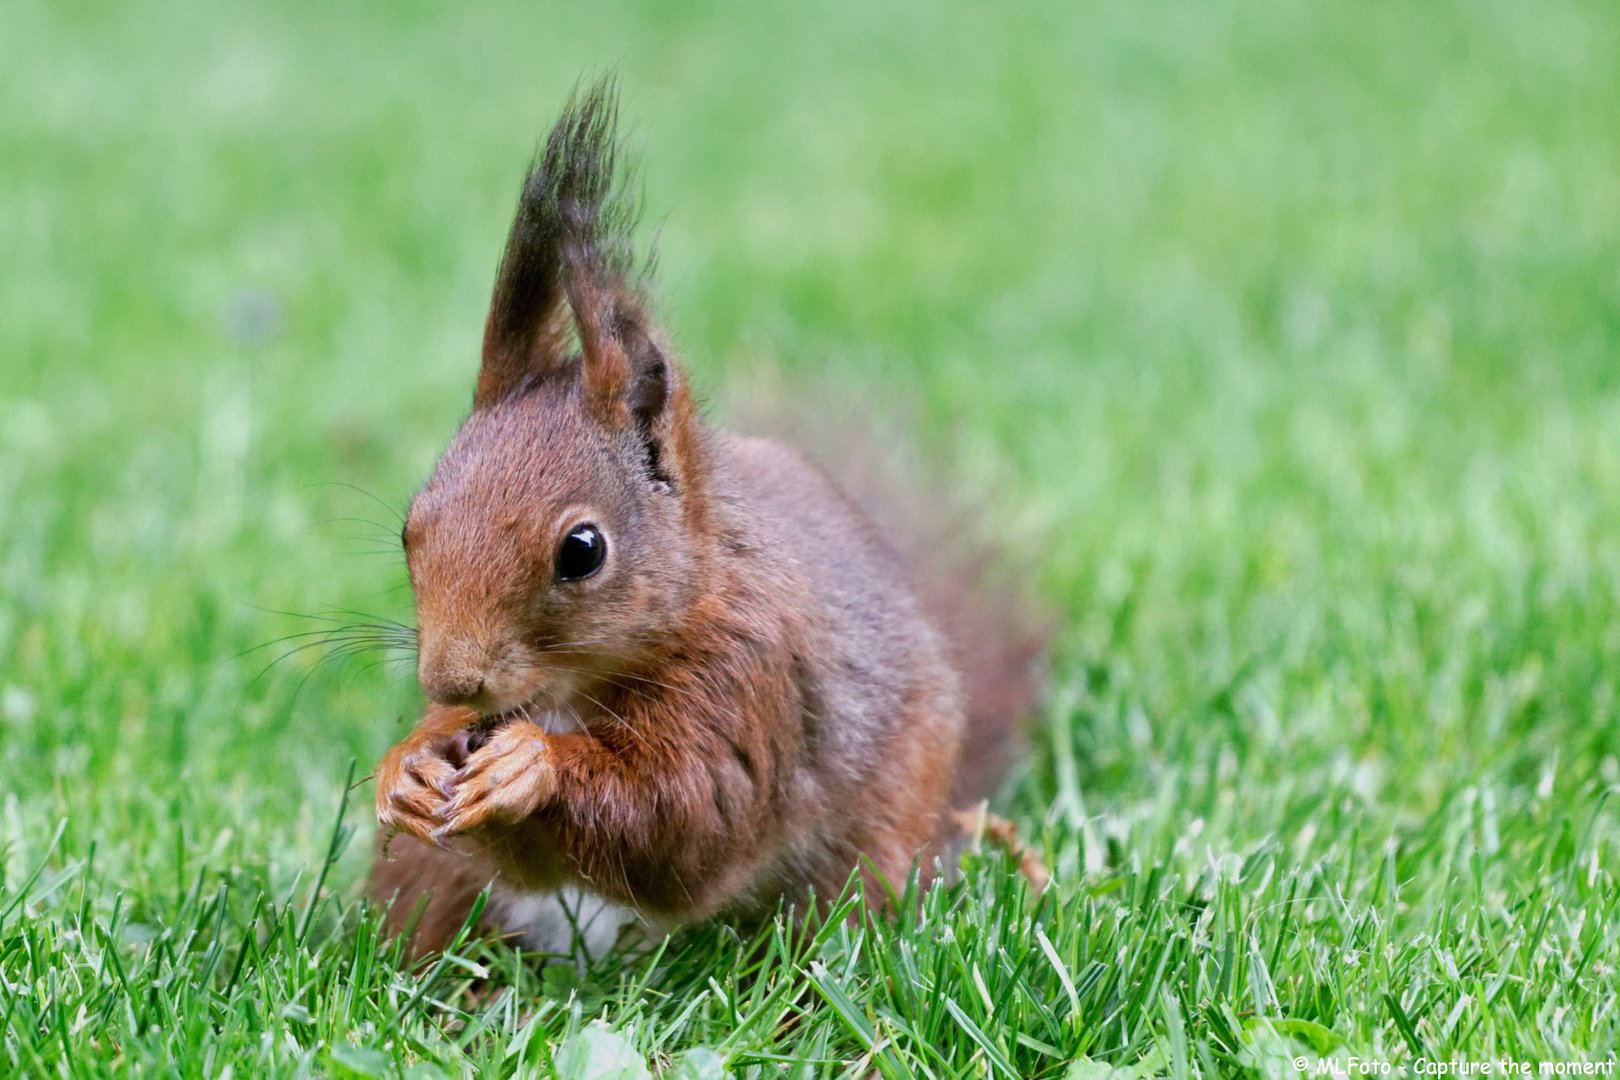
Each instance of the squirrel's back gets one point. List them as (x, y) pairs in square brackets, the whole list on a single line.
[(876, 645), (906, 579), (970, 590), (880, 706)]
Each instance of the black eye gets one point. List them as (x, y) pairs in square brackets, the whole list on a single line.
[(581, 553)]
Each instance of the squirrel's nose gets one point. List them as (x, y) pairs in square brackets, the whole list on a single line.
[(455, 668), (452, 688)]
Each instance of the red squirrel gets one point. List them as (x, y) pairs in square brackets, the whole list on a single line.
[(674, 672)]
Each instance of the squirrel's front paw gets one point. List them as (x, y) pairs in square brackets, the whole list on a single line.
[(502, 782), (411, 782)]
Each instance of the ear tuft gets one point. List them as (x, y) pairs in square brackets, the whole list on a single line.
[(572, 216), (569, 254)]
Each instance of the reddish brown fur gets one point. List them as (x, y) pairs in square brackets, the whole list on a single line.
[(742, 704), (970, 585)]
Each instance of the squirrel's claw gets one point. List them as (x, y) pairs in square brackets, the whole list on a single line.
[(504, 781), (420, 827), (410, 784)]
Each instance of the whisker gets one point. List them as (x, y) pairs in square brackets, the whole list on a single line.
[(332, 653), (393, 511), (331, 616), (339, 640), (382, 662), (366, 619), (579, 721), (639, 639), (394, 531), (367, 548), (615, 677), (622, 721)]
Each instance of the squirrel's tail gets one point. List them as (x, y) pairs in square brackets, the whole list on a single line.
[(977, 597), (971, 590), (997, 639)]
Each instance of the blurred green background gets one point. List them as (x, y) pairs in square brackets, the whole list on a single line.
[(1286, 335)]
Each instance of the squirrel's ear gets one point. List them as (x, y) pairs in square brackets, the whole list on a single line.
[(570, 242), (627, 376), (570, 213), (526, 332)]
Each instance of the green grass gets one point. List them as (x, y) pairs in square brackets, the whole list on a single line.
[(1286, 337)]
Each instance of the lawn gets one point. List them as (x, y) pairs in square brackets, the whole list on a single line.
[(1281, 339)]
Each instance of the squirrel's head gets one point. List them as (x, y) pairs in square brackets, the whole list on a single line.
[(558, 536)]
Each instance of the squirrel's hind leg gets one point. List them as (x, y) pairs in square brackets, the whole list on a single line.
[(565, 922), (407, 874)]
